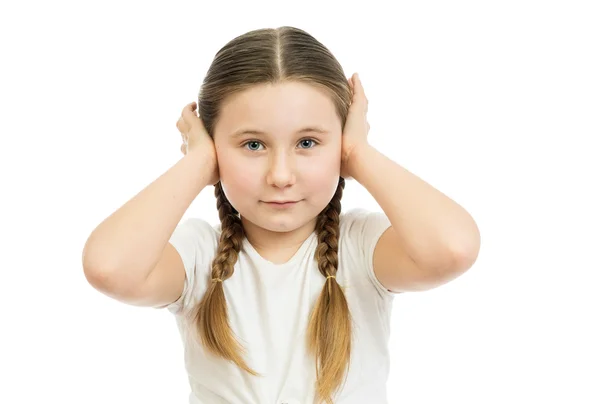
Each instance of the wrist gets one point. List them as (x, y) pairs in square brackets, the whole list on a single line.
[(356, 157), (199, 154)]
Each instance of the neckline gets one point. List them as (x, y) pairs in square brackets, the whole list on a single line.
[(250, 250)]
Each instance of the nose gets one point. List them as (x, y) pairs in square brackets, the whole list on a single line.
[(281, 170)]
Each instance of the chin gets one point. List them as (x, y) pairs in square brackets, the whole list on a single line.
[(279, 223), (280, 226), (283, 221)]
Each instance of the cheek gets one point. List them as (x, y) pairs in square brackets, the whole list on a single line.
[(322, 175), (238, 178), (324, 165), (238, 190), (229, 164)]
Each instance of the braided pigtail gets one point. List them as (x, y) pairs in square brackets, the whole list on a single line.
[(329, 330), (210, 317)]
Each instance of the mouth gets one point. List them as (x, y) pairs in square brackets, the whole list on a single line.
[(281, 204)]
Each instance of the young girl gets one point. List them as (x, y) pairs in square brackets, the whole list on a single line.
[(288, 299)]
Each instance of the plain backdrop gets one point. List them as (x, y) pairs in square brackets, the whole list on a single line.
[(494, 103)]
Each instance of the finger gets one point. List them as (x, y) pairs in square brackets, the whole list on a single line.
[(182, 126), (191, 107), (190, 117), (359, 91), (357, 84)]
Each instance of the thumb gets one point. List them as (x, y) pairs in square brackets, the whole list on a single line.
[(190, 116)]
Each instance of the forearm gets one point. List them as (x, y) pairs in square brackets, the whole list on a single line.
[(432, 227), (130, 241)]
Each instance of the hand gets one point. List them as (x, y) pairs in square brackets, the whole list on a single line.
[(354, 135), (196, 140)]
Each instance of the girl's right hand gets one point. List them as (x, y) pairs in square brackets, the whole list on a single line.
[(195, 139)]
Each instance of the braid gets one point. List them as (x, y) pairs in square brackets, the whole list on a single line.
[(211, 318), (232, 234), (329, 329)]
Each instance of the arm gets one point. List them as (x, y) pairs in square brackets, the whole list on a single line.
[(122, 251), (432, 239)]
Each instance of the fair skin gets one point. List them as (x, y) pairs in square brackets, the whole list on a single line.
[(280, 164), (432, 239)]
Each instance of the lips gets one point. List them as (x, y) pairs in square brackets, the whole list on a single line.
[(281, 204)]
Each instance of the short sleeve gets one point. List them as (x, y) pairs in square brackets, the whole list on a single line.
[(360, 230), (196, 242)]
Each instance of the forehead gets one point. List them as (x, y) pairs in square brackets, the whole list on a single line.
[(281, 108)]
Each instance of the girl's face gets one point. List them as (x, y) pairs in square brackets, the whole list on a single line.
[(279, 143)]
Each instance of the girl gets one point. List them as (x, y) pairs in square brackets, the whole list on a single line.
[(288, 299)]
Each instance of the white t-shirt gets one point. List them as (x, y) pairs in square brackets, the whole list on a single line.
[(269, 306)]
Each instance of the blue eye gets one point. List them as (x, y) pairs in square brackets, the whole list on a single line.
[(253, 144), (303, 142)]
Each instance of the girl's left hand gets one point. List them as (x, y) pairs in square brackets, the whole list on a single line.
[(354, 135)]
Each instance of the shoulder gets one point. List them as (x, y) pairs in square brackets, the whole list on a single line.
[(194, 228), (360, 224), (360, 232), (196, 241)]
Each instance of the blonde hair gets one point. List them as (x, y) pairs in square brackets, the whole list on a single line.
[(273, 56)]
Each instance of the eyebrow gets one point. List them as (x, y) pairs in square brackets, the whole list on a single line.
[(306, 129)]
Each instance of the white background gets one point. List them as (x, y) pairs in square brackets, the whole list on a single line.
[(497, 104)]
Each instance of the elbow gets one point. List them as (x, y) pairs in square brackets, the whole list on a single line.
[(466, 255), (112, 283), (97, 275), (466, 248), (102, 275), (99, 280), (96, 272)]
